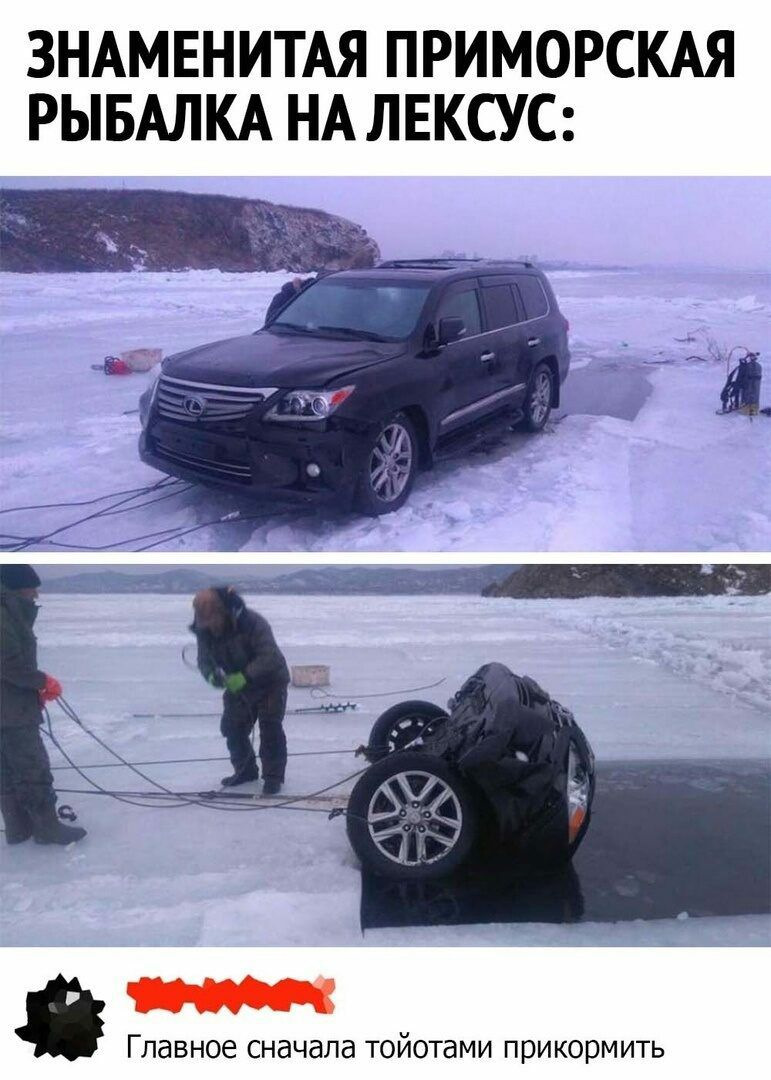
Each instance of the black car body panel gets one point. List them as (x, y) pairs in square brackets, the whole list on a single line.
[(280, 359), (506, 771), (444, 389), (513, 742)]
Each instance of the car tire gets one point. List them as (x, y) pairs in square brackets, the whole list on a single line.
[(400, 726), (540, 393), (390, 467), (427, 811)]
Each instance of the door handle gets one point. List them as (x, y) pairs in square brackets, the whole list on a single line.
[(533, 341), (486, 357)]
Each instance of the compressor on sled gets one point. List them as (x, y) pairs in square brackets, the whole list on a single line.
[(742, 387), (504, 763)]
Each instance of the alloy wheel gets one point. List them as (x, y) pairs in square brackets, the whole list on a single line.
[(540, 399), (414, 818), (390, 463)]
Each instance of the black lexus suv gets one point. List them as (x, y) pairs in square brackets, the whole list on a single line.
[(361, 380)]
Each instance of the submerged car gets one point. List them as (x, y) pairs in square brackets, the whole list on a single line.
[(505, 764), (363, 379)]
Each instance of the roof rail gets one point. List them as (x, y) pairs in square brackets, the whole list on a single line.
[(448, 263)]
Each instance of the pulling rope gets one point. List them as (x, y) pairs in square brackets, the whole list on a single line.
[(197, 760), (15, 542), (320, 691), (166, 535), (166, 797), (122, 505), (131, 798), (76, 502), (316, 691)]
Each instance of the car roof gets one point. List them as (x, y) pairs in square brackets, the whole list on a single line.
[(432, 270)]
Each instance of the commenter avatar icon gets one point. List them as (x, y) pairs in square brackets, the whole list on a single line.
[(62, 1019)]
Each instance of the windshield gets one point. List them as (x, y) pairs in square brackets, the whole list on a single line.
[(369, 310)]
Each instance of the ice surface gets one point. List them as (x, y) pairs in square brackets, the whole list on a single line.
[(192, 875), (673, 477)]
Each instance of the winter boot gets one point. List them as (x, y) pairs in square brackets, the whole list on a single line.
[(272, 785), (245, 775), (18, 836), (47, 829), (18, 824)]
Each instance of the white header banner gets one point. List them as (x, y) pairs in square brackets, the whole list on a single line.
[(402, 88)]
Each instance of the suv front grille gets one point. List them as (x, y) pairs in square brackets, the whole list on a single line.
[(232, 470), (205, 403)]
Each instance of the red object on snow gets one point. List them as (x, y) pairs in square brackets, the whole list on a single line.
[(113, 365)]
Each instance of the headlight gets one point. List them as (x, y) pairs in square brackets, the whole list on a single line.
[(309, 404)]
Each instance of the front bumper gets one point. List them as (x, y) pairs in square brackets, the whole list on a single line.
[(270, 460)]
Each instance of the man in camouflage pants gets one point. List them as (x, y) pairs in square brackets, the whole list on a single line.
[(27, 796)]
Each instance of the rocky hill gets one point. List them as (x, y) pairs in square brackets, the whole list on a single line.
[(533, 582), (83, 229), (310, 580)]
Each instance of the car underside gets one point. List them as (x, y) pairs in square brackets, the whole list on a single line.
[(505, 764)]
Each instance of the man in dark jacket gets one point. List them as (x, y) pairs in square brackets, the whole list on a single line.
[(285, 295), (27, 796), (359, 260), (237, 652)]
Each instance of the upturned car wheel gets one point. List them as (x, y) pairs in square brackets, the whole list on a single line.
[(401, 726), (539, 398), (411, 817), (389, 468)]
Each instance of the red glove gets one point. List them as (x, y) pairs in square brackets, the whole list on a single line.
[(51, 691)]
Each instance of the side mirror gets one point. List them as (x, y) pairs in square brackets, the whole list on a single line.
[(451, 329)]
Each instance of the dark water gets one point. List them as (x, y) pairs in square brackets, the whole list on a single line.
[(606, 388), (665, 838)]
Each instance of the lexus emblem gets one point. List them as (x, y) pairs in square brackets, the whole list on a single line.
[(194, 406)]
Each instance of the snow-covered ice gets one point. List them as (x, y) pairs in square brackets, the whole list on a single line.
[(669, 475), (686, 679)]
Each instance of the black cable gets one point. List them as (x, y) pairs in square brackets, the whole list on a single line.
[(195, 528), (78, 502), (176, 532), (128, 796), (316, 691), (70, 713), (150, 502), (46, 537), (320, 691), (120, 765), (109, 512), (98, 787), (193, 760), (185, 798)]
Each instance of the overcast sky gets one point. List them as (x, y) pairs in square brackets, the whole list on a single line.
[(706, 221)]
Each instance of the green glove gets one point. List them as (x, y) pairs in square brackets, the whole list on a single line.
[(235, 683)]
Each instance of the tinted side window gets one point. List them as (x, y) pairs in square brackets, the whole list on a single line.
[(533, 296), (462, 305), (499, 306)]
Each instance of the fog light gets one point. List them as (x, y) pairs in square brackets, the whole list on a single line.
[(313, 470)]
